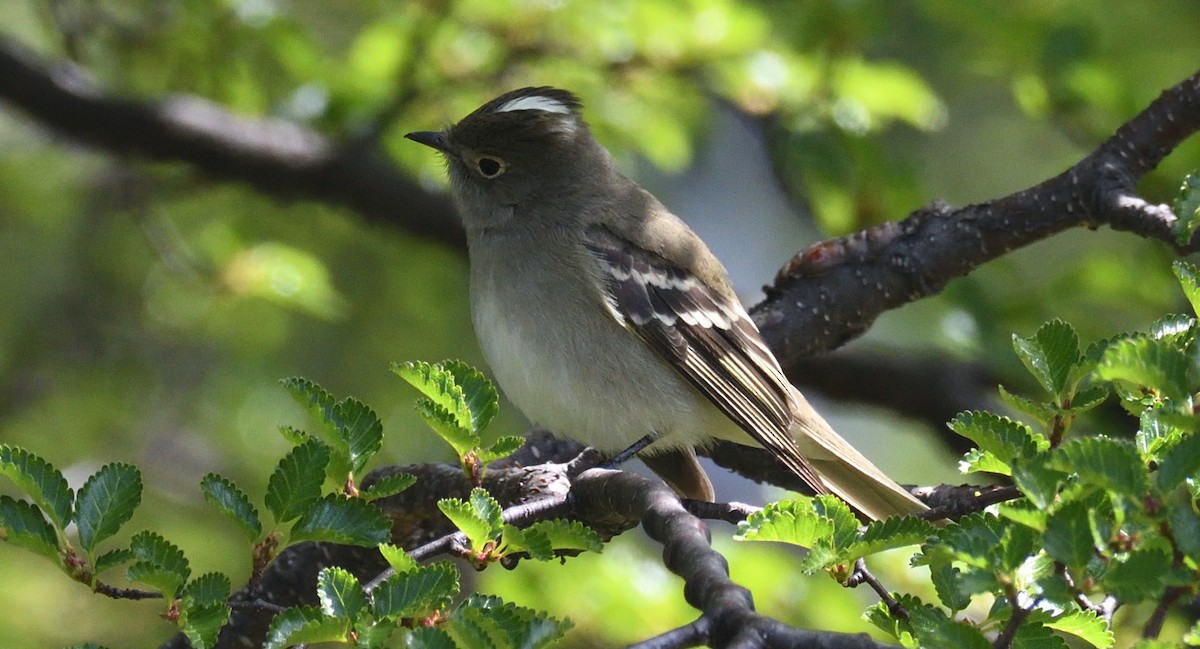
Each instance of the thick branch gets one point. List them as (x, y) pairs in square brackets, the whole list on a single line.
[(833, 291), (276, 157)]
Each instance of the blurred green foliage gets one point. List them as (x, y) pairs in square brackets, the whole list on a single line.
[(148, 313)]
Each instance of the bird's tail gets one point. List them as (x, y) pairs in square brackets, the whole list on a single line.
[(845, 471)]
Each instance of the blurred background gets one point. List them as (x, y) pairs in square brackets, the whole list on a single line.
[(147, 311)]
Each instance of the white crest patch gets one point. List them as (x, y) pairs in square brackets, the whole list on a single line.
[(535, 102)]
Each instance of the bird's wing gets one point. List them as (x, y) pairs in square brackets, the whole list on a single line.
[(708, 337)]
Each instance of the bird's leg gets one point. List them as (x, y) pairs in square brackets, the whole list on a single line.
[(622, 457)]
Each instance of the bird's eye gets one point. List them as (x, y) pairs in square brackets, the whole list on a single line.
[(490, 167)]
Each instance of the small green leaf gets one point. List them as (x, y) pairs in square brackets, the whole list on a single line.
[(231, 501), (1037, 480), (1159, 429), (500, 624), (530, 540), (1089, 398), (977, 461), (446, 425), (202, 623), (296, 482), (1185, 524), (110, 560), (397, 558), (894, 532), (1187, 216), (1148, 363), (1180, 462), (479, 518), (361, 429), (158, 562), (947, 582), (934, 629), (1033, 635), (1113, 465), (46, 486), (479, 395), (502, 447), (1040, 411), (388, 485), (1140, 576), (1068, 537), (1085, 625), (430, 637), (207, 589), (23, 525), (348, 521), (568, 535), (1050, 355), (1002, 437), (340, 593), (316, 401), (294, 435), (106, 502), (415, 593), (305, 625), (1174, 328), (440, 386), (787, 521)]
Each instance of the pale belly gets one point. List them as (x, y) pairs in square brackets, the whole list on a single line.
[(604, 388)]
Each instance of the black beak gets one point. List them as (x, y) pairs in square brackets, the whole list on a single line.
[(432, 139)]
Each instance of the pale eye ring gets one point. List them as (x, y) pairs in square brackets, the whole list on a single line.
[(489, 166)]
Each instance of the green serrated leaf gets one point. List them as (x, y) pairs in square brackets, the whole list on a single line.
[(568, 535), (305, 625), (1042, 412), (1068, 536), (348, 521), (1089, 398), (1050, 355), (294, 435), (1024, 513), (787, 521), (502, 447), (440, 386), (887, 620), (894, 532), (977, 461), (397, 558), (207, 589), (1033, 635), (947, 582), (1174, 328), (479, 395), (1002, 437), (1139, 576), (1113, 465), (23, 525), (429, 637), (1035, 477), (934, 629), (505, 625), (361, 429), (479, 517), (1185, 524), (377, 635), (111, 559), (415, 593), (150, 548), (231, 501), (445, 424), (168, 583), (1159, 429), (529, 540), (1179, 462), (340, 594), (296, 482), (388, 485), (202, 623), (106, 502), (1085, 625), (1187, 211), (44, 484), (1148, 363), (315, 400)]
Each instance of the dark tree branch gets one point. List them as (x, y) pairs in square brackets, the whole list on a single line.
[(276, 157), (833, 291)]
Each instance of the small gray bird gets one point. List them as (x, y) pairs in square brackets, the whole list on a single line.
[(605, 318)]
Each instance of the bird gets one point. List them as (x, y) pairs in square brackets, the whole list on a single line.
[(606, 319)]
